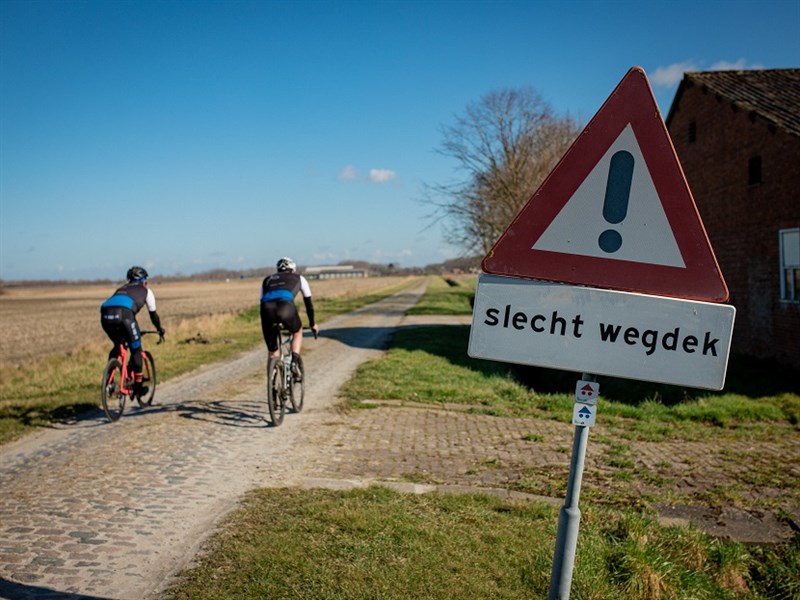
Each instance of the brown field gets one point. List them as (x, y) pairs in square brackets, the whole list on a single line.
[(41, 321)]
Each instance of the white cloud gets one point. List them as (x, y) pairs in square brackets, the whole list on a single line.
[(348, 173), (672, 74), (724, 65), (381, 175)]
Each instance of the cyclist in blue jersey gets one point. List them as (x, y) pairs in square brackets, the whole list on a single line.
[(277, 306), (118, 318)]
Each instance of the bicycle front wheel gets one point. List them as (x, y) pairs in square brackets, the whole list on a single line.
[(111, 390), (277, 408), (297, 391), (148, 379)]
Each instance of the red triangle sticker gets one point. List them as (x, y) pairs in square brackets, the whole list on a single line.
[(616, 212)]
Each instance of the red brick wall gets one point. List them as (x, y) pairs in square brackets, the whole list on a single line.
[(743, 220)]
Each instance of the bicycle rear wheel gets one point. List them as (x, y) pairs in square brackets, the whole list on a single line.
[(277, 408), (297, 391), (111, 390), (148, 379)]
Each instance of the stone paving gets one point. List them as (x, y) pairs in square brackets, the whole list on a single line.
[(98, 510), (416, 448)]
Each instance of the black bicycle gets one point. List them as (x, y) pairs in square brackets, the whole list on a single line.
[(286, 386)]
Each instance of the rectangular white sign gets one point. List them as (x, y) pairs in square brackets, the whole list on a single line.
[(584, 415), (602, 332)]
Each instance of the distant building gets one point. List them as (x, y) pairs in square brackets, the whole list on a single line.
[(337, 272), (737, 134)]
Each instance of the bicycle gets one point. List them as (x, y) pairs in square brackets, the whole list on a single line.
[(284, 387), (117, 383)]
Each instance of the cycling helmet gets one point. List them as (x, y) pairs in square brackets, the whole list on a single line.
[(137, 274), (286, 264)]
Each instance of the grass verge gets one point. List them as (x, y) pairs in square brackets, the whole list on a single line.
[(443, 373), (375, 543), (447, 296)]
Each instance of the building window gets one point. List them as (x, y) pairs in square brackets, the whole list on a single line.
[(692, 132), (790, 264), (754, 171)]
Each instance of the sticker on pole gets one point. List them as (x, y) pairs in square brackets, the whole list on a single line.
[(587, 392), (616, 212), (584, 415)]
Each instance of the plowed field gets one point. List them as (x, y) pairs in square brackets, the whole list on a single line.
[(36, 322)]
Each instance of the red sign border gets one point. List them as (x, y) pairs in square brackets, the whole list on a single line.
[(632, 102)]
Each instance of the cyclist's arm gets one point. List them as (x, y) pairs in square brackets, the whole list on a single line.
[(309, 311), (156, 320), (305, 290), (151, 308)]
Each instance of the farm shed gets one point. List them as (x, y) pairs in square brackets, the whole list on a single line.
[(333, 272), (737, 135)]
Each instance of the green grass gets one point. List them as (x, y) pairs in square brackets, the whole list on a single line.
[(452, 296), (443, 373), (375, 543), (59, 388), (426, 364)]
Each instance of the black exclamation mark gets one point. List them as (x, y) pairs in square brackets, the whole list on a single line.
[(615, 206)]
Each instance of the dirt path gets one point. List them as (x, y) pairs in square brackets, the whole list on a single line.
[(95, 510)]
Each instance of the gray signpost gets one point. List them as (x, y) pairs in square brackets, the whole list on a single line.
[(569, 517)]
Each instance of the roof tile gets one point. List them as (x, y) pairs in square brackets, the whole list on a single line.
[(773, 94)]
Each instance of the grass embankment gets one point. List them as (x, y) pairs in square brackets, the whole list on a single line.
[(379, 544), (58, 388), (376, 543)]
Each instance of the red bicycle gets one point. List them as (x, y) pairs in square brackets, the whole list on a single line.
[(117, 383)]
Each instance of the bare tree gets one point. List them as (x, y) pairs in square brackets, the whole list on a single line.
[(505, 144)]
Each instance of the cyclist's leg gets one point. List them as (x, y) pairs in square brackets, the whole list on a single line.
[(111, 322), (287, 313), (269, 318), (297, 342), (134, 340)]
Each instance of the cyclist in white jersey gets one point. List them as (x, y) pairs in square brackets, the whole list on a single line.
[(277, 306), (118, 319)]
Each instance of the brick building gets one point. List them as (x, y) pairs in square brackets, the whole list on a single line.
[(737, 134)]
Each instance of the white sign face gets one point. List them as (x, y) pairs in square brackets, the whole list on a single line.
[(602, 332), (643, 225), (584, 415)]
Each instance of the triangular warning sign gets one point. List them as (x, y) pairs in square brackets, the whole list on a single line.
[(616, 212)]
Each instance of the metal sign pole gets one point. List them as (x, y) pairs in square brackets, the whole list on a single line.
[(570, 515)]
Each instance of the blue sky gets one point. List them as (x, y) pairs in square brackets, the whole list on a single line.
[(191, 135)]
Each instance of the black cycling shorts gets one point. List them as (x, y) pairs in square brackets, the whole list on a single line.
[(121, 328), (278, 311)]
